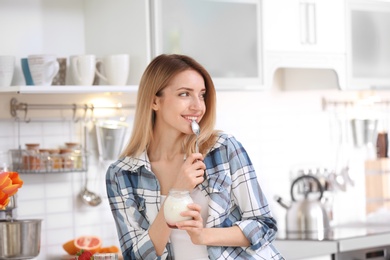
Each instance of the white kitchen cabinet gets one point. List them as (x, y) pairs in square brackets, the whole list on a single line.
[(307, 34), (304, 26), (223, 35), (368, 44)]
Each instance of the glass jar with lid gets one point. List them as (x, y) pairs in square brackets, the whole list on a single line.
[(55, 159), (31, 157), (77, 155), (67, 158), (45, 159), (175, 203)]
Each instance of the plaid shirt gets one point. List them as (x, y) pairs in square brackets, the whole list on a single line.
[(235, 199)]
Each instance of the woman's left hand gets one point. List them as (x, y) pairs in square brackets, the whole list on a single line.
[(193, 227)]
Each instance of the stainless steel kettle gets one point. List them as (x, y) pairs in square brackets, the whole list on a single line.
[(306, 216)]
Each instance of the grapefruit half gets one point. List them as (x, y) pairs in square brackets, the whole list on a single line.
[(89, 243)]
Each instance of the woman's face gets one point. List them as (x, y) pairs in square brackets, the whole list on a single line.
[(181, 102)]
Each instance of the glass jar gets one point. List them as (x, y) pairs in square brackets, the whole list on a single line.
[(105, 256), (67, 158), (77, 155), (31, 158), (45, 159), (3, 161), (55, 159), (175, 203)]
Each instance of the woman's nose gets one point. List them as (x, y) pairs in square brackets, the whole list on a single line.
[(196, 103)]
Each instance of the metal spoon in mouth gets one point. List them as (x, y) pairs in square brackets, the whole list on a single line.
[(196, 130)]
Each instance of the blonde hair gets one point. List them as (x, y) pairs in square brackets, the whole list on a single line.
[(155, 78)]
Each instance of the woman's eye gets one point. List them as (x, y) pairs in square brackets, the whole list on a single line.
[(184, 94)]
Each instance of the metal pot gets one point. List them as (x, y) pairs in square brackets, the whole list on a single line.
[(306, 217), (20, 239)]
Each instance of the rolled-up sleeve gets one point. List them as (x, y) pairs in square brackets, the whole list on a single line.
[(256, 222), (129, 214)]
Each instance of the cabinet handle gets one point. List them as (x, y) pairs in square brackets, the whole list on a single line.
[(308, 26), (303, 22), (311, 23)]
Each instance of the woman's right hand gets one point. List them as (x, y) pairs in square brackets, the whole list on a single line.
[(191, 172)]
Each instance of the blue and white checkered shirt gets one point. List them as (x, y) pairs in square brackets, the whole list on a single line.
[(235, 199)]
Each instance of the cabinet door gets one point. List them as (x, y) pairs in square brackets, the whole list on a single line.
[(309, 26), (222, 35), (369, 44)]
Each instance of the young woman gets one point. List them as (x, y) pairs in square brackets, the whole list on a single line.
[(230, 217)]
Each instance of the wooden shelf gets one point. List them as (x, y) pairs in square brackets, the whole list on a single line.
[(68, 89)]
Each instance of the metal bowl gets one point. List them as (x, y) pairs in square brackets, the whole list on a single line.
[(20, 239)]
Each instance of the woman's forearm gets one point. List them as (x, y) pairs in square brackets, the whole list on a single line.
[(229, 236), (159, 233)]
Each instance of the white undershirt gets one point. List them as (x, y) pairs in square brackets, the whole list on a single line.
[(183, 248)]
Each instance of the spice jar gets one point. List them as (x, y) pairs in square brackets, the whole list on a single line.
[(77, 155), (31, 158), (175, 203), (55, 160), (67, 158), (45, 159)]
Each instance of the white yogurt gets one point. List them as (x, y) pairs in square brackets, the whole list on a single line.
[(175, 203)]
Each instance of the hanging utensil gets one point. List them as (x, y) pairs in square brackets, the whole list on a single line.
[(88, 197)]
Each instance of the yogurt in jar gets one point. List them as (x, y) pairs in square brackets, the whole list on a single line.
[(175, 203)]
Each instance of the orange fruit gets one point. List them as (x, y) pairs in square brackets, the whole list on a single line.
[(89, 243), (70, 248), (109, 249)]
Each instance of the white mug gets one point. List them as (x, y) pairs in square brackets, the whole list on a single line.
[(83, 69), (115, 69), (43, 68), (7, 66)]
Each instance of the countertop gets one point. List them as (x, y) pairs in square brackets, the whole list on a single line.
[(338, 239)]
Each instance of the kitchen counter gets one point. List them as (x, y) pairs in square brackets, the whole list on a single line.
[(339, 239)]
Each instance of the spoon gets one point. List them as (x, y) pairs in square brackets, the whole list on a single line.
[(196, 130)]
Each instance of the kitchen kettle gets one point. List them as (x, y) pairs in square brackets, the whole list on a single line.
[(306, 216)]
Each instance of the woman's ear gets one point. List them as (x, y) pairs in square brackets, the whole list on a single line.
[(155, 103)]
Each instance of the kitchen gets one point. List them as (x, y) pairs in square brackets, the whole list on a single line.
[(281, 121)]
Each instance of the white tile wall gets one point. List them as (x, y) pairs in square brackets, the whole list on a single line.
[(278, 129), (53, 197)]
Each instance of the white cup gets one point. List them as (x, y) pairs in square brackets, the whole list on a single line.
[(83, 69), (115, 69), (43, 68), (7, 66)]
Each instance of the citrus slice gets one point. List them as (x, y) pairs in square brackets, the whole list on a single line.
[(70, 247), (89, 243)]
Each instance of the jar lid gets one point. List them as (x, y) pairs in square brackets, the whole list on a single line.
[(32, 146), (71, 145), (65, 150), (54, 151)]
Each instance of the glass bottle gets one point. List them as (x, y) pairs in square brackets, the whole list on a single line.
[(175, 203)]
